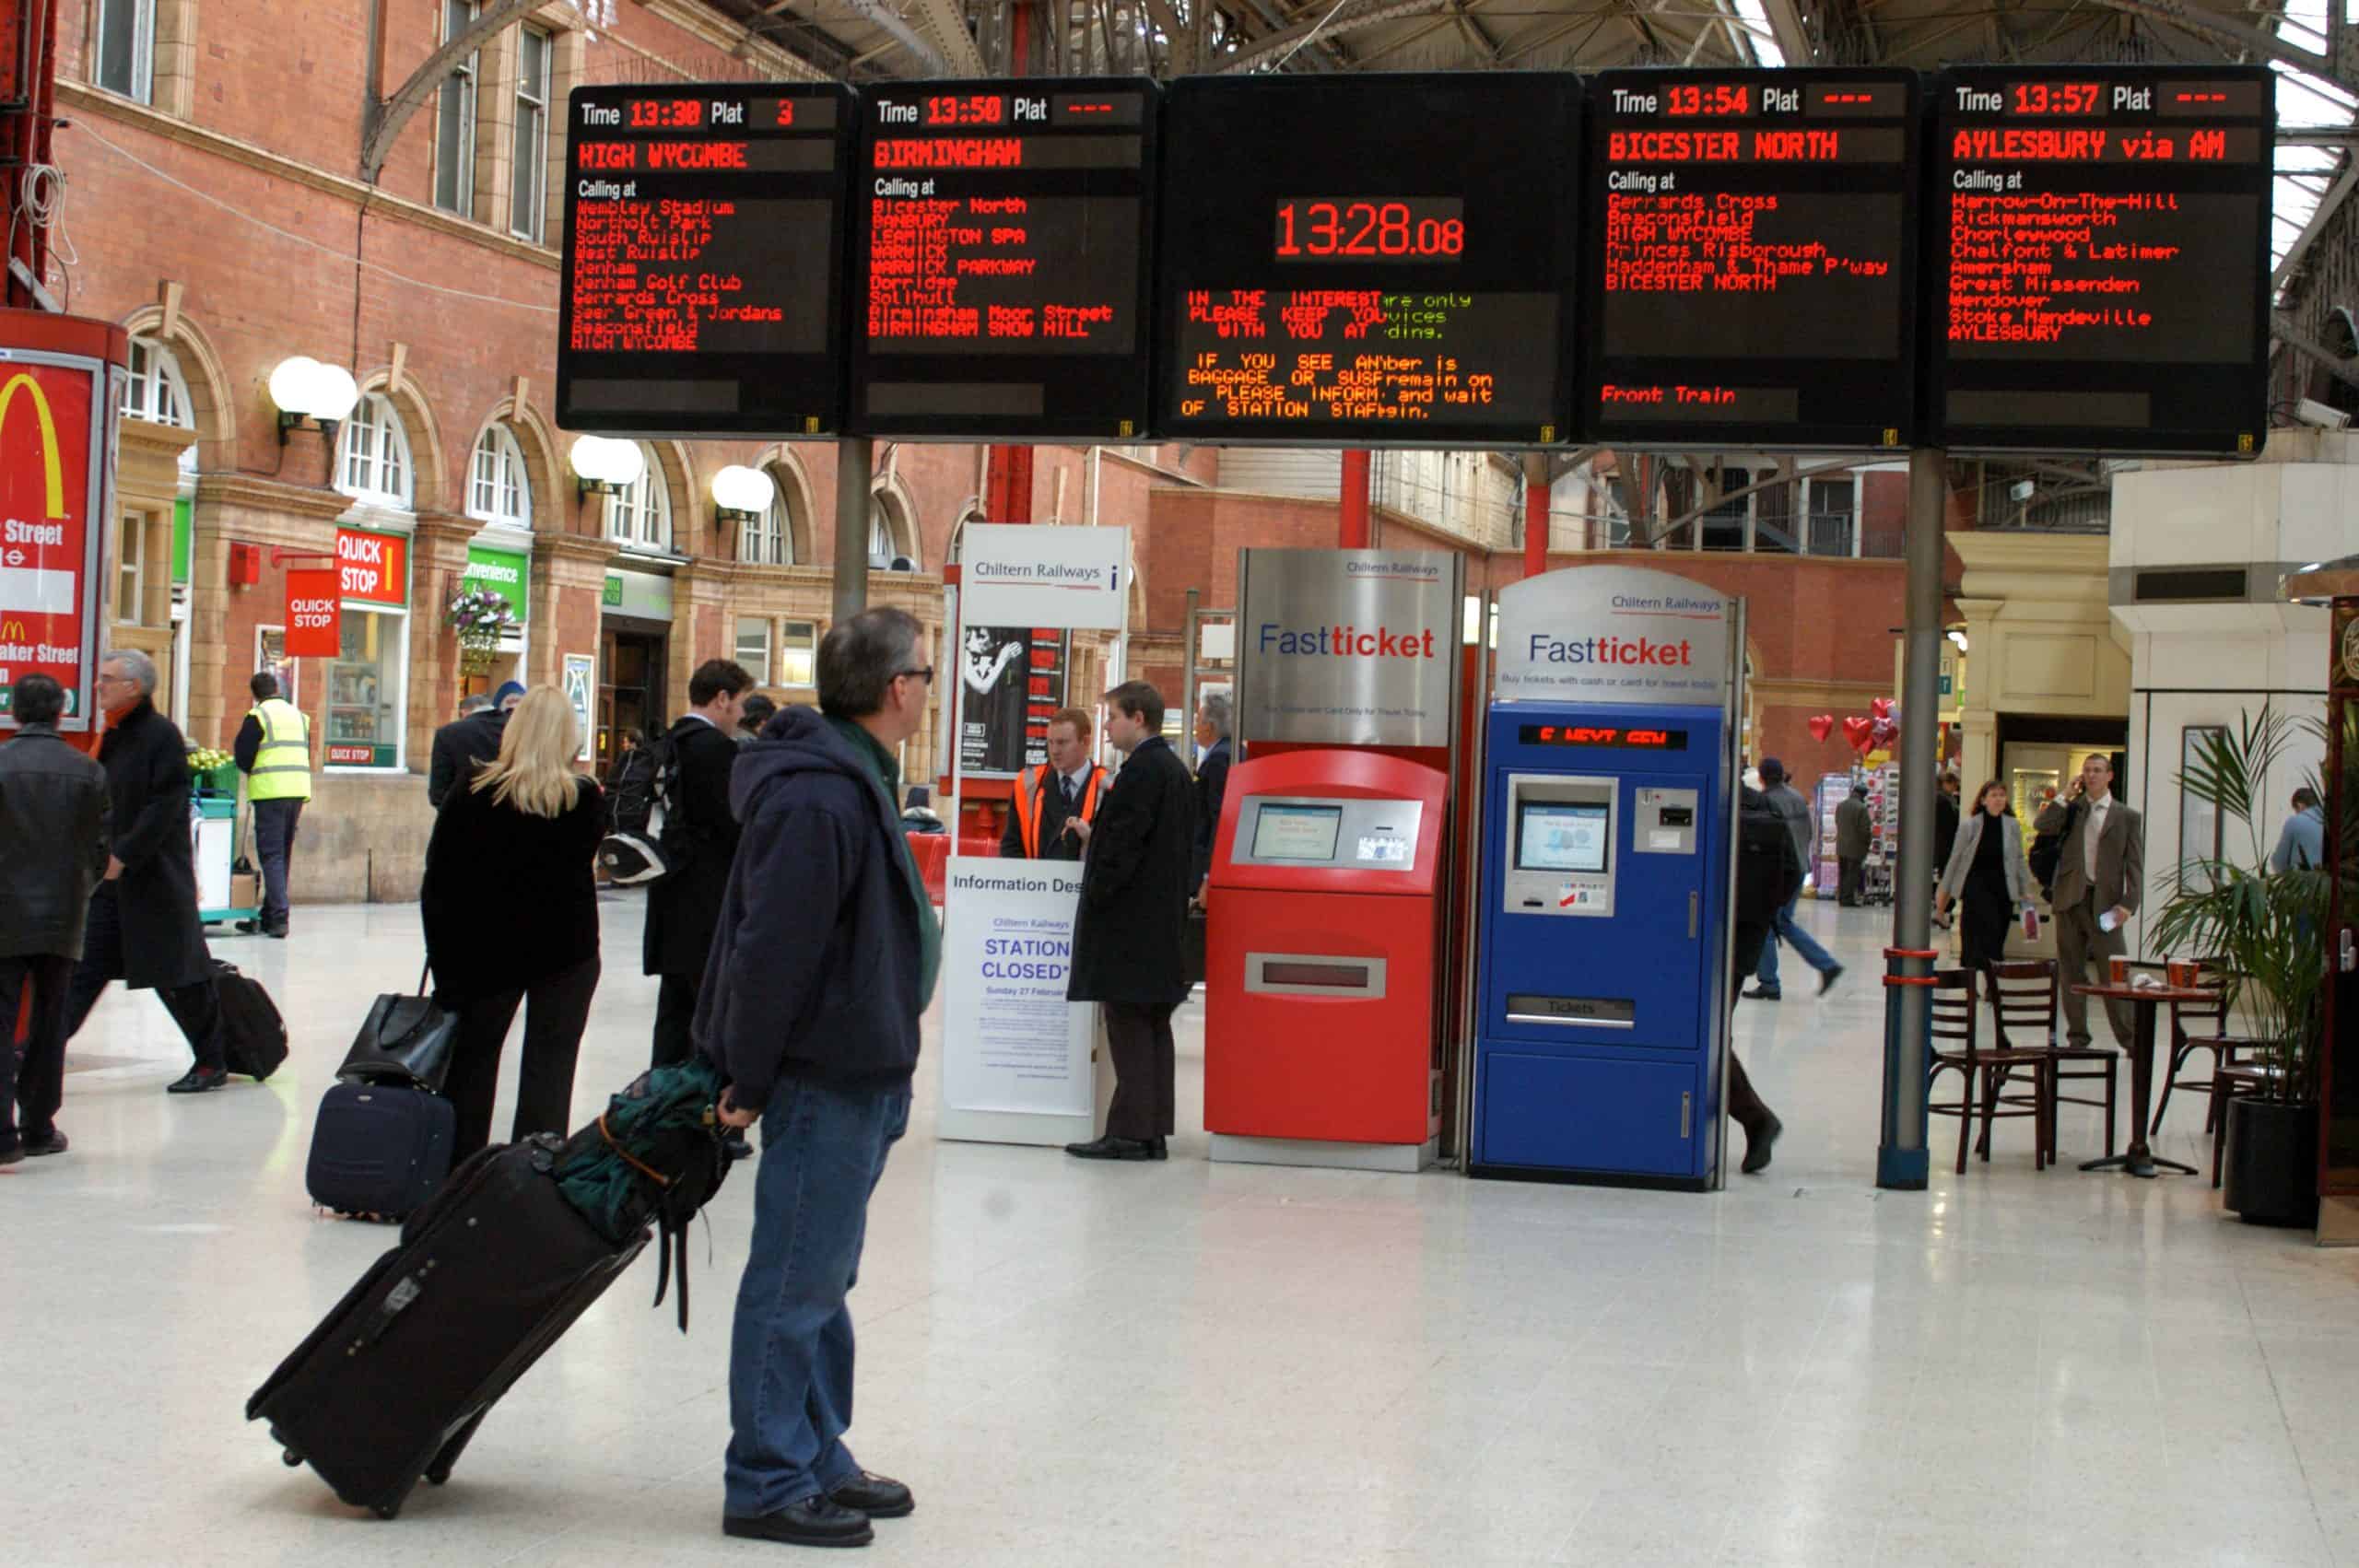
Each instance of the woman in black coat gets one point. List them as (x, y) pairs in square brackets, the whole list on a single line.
[(511, 916)]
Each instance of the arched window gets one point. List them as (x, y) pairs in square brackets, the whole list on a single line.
[(156, 391), (373, 464), (889, 535), (640, 514), (499, 487), (769, 537)]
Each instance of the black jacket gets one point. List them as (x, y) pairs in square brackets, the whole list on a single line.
[(819, 961), (509, 899), (684, 907), (457, 746), (1212, 789), (146, 765), (53, 841), (1056, 844), (1136, 883), (1944, 828)]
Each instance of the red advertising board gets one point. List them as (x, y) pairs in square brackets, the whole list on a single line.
[(314, 612), (373, 567), (48, 548)]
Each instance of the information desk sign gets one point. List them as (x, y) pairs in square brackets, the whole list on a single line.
[(1750, 278), (1002, 251), (2100, 258), (1368, 260), (704, 259)]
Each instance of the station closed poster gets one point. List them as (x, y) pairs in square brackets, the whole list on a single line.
[(1015, 679)]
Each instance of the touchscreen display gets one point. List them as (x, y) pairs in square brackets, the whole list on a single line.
[(1296, 833), (1552, 836)]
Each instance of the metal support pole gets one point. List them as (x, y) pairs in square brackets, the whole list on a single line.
[(1352, 527), (1535, 513), (856, 468), (1901, 1159)]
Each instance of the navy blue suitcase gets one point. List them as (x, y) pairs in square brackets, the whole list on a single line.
[(380, 1149)]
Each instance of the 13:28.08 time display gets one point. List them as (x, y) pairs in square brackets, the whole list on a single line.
[(1337, 229)]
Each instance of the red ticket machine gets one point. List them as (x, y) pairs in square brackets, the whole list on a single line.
[(1323, 948)]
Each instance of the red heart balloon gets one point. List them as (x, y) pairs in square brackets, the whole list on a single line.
[(1860, 733), (1883, 731), (1883, 706), (1822, 726)]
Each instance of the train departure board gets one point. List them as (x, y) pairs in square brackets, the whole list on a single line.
[(1000, 253), (1368, 260), (2099, 264), (704, 259), (1750, 275)]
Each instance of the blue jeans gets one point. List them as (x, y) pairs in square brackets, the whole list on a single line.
[(1811, 953), (790, 1351)]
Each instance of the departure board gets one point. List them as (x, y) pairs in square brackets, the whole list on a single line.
[(1000, 253), (1368, 260), (704, 259), (1750, 276), (2100, 258)]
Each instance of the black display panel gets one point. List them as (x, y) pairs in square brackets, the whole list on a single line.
[(1751, 273), (2098, 258), (1000, 251), (1368, 260), (703, 289)]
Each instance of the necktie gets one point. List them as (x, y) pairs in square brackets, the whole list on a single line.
[(2096, 831), (1069, 791)]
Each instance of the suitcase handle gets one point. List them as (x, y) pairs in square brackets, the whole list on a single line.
[(406, 1289)]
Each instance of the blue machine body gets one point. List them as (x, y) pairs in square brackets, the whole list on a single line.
[(1605, 904)]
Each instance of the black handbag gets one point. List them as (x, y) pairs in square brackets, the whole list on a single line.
[(405, 1040)]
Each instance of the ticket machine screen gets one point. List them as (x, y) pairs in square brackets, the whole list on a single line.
[(1296, 833), (1552, 836)]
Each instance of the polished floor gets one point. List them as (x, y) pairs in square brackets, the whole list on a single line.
[(1223, 1364)]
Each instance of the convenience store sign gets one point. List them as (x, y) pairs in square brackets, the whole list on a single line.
[(505, 572), (361, 753), (375, 567)]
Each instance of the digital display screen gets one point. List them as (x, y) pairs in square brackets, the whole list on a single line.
[(1602, 735), (1553, 836), (2099, 258), (1001, 257), (703, 278), (1296, 833), (1751, 258), (1383, 260)]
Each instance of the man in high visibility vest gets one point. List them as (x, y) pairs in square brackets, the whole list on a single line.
[(1050, 799), (274, 750)]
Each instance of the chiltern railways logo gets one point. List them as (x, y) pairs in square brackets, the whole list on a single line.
[(1081, 578)]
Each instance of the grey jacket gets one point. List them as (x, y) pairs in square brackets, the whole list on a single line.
[(1854, 828), (1796, 810), (2011, 855), (52, 839)]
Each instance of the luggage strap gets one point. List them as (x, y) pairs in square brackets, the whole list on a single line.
[(672, 1259), (650, 1172)]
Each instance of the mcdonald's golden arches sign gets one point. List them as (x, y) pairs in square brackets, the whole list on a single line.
[(51, 489)]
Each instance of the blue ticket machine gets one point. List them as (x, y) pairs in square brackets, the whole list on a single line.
[(1602, 1008)]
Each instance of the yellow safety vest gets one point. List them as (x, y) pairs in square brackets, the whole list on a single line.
[(283, 761)]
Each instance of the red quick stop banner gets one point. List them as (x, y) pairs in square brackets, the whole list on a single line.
[(46, 544)]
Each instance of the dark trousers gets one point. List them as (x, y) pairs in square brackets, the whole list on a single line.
[(675, 1012), (32, 1043), (1144, 1062), (274, 847), (193, 1007), (556, 1011), (1846, 886), (1745, 1107)]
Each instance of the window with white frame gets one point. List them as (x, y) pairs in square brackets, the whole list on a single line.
[(532, 132), (769, 535), (126, 48), (798, 653), (498, 487), (885, 541), (640, 514), (1834, 522), (754, 648), (454, 128), (156, 391), (130, 580), (374, 464)]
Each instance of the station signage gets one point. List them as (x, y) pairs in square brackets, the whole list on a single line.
[(314, 612), (52, 438), (1611, 634), (1348, 648)]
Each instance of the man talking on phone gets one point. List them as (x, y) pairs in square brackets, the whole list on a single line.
[(2100, 874)]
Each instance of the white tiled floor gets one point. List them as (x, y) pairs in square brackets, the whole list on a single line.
[(1232, 1365)]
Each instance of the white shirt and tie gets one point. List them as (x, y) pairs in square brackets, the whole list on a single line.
[(2097, 809)]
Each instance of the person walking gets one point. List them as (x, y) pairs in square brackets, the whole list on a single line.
[(1211, 783), (1051, 798), (752, 717), (1768, 877), (1792, 810), (1855, 828), (470, 738), (700, 842), (53, 841), (2301, 843), (2100, 876), (1987, 877), (1945, 820), (822, 965), (274, 750), (1127, 937), (142, 927), (511, 917)]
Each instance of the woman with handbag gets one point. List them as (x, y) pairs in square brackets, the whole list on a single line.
[(1988, 876), (511, 916)]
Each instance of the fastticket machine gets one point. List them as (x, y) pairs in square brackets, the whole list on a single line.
[(1323, 952)]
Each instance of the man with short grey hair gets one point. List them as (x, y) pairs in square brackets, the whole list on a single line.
[(470, 738), (1213, 758), (143, 928)]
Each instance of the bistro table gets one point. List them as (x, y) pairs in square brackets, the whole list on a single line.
[(2141, 1161)]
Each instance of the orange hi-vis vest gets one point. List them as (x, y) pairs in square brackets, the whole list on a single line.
[(1031, 787)]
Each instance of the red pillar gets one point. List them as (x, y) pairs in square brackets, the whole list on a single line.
[(1535, 513), (1352, 528), (28, 74), (1008, 489)]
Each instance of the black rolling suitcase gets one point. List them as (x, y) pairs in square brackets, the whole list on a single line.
[(379, 1149), (253, 1036), (394, 1381)]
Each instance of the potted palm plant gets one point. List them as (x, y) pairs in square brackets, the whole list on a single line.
[(2265, 927)]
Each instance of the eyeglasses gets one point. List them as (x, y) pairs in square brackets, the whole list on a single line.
[(925, 674), (107, 679)]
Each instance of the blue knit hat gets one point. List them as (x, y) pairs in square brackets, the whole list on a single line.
[(507, 689)]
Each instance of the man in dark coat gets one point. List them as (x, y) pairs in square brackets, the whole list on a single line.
[(1945, 820), (53, 841), (1136, 879), (699, 841), (1212, 781), (1769, 872), (469, 738), (143, 928), (1854, 830)]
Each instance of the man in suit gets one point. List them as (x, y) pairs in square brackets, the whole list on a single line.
[(2100, 876), (1212, 782), (1135, 882), (700, 842), (470, 738), (1854, 829), (1051, 800)]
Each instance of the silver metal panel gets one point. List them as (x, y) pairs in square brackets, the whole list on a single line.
[(1315, 974), (1371, 835), (1349, 648), (1405, 1159), (1614, 634), (1553, 891)]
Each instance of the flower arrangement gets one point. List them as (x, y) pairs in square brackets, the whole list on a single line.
[(480, 615)]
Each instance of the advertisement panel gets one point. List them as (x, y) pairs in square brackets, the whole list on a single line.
[(1015, 682), (1019, 574), (1613, 633), (1348, 648), (1025, 1049), (581, 684), (314, 614), (52, 443)]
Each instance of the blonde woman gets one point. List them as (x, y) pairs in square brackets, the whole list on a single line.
[(511, 916)]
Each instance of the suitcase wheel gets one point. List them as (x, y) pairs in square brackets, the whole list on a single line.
[(386, 1510), (291, 1459), (438, 1475)]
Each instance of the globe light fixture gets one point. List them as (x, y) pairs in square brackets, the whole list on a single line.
[(603, 466), (303, 390), (739, 493)]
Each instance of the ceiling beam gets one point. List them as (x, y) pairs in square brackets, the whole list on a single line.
[(1280, 43), (1785, 25), (2243, 35), (2297, 252)]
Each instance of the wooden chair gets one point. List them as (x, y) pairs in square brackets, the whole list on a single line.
[(2203, 1027), (1956, 1009), (2025, 997), (2229, 1080)]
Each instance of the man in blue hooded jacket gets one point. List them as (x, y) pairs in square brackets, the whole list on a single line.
[(822, 965)]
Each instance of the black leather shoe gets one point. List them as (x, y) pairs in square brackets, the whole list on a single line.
[(12, 1154), (278, 932), (1826, 981), (197, 1080), (1756, 1146), (879, 1497), (247, 928), (1759, 994), (815, 1521), (1158, 1149), (1111, 1148), (38, 1148)]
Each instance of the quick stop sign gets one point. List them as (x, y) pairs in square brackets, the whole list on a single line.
[(314, 606)]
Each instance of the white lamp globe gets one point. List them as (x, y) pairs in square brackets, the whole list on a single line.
[(742, 489), (334, 393), (293, 384)]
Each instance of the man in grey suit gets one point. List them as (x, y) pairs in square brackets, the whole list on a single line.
[(2100, 876)]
